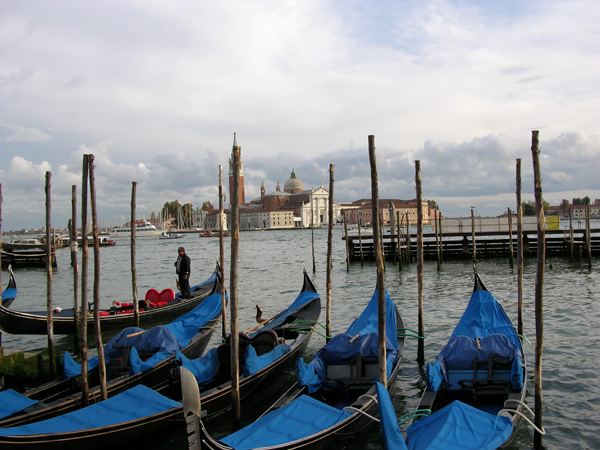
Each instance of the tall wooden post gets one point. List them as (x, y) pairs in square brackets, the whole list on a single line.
[(473, 236), (519, 251), (398, 241), (439, 221), (312, 236), (233, 279), (588, 239), (421, 327), (362, 261), (510, 239), (347, 242), (99, 346), (1, 260), (437, 242), (379, 260), (329, 257), (51, 348), (571, 237), (222, 257), (393, 246), (539, 287), (73, 237), (408, 239), (84, 274), (136, 308)]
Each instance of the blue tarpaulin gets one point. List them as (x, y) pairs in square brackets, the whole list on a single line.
[(204, 368), (12, 402), (390, 431), (459, 426), (255, 363), (304, 416), (135, 403), (340, 350)]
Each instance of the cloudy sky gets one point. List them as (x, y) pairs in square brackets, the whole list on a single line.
[(156, 90)]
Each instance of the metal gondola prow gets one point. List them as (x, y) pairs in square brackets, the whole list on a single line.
[(477, 284), (192, 409)]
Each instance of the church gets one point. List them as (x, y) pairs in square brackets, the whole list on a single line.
[(292, 207)]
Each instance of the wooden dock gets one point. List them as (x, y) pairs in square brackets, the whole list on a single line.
[(488, 245), (26, 255)]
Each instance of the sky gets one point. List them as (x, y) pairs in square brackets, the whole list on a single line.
[(155, 90)]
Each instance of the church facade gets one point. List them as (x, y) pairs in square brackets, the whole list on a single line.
[(290, 207)]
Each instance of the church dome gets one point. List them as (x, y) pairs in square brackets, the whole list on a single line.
[(293, 184)]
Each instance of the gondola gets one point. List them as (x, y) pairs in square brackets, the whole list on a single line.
[(475, 388), (10, 293), (156, 308), (333, 399), (134, 356), (141, 415)]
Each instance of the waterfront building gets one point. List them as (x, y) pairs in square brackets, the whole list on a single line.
[(362, 209)]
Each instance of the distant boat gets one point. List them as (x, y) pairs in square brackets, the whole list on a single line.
[(165, 235), (143, 228), (213, 234)]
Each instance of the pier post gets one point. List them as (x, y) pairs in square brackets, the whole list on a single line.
[(392, 232), (473, 236), (379, 259), (398, 241), (347, 241), (421, 327), (312, 235), (510, 239), (437, 242), (84, 275), (222, 259), (74, 263), (519, 250), (51, 348), (233, 291), (329, 257), (571, 237), (1, 352), (408, 240), (99, 346), (539, 287), (360, 240), (136, 308), (588, 238), (439, 220)]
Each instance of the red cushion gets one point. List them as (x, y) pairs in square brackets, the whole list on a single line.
[(152, 296)]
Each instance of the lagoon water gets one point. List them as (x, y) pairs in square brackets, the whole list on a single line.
[(270, 274)]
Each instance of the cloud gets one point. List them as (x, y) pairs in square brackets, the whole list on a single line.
[(22, 134)]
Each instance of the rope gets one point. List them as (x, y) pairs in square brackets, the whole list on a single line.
[(360, 411), (514, 411), (415, 335), (416, 413)]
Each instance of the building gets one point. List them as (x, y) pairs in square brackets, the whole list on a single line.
[(363, 210), (290, 207)]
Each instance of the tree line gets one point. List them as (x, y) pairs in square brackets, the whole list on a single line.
[(181, 215)]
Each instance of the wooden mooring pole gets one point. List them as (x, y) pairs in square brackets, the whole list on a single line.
[(437, 244), (222, 259), (588, 238), (439, 221), (329, 258), (399, 241), (362, 261), (136, 308), (347, 242), (51, 348), (519, 251), (233, 291), (380, 267), (312, 236), (473, 236), (84, 275), (539, 287), (1, 352), (510, 239), (73, 237), (421, 326), (97, 329)]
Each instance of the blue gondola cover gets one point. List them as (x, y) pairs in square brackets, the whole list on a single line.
[(12, 402), (459, 426), (390, 432)]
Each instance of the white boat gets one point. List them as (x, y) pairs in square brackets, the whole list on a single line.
[(166, 235), (143, 228)]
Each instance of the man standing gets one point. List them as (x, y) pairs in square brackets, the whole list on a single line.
[(182, 266)]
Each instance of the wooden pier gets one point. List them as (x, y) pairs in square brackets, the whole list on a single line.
[(488, 245), (26, 255)]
